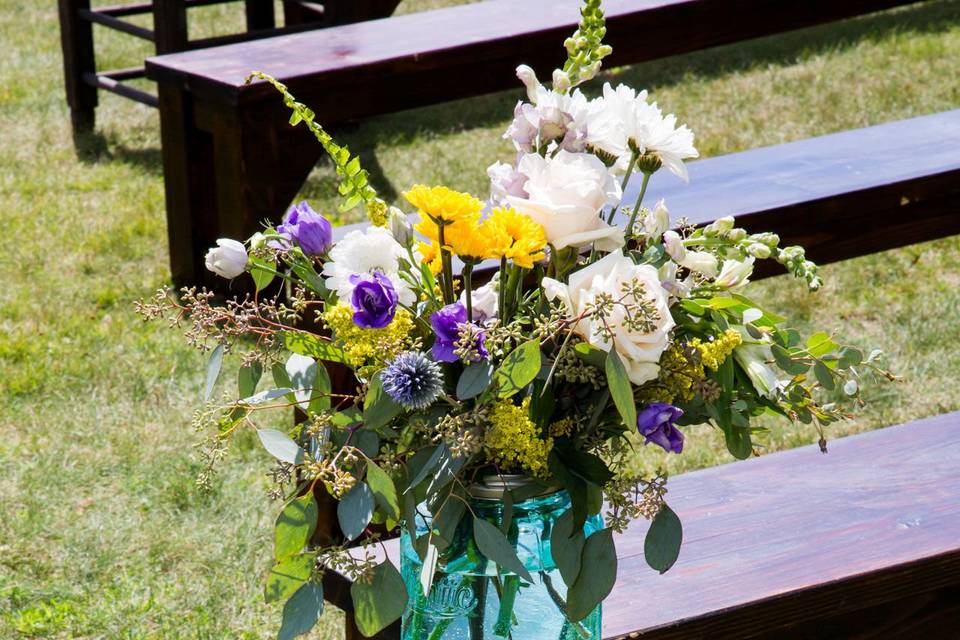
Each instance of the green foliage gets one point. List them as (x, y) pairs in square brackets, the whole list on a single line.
[(294, 526), (355, 510), (620, 389), (247, 379), (280, 446), (474, 380), (263, 272), (213, 371), (662, 544), (383, 490), (380, 601), (301, 612), (591, 587), (518, 369), (318, 348), (495, 546), (378, 407), (287, 576), (354, 187), (566, 546)]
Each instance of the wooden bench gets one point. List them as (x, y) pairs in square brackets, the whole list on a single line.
[(230, 159), (861, 543), (82, 80)]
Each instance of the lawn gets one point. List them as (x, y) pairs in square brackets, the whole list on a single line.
[(102, 533)]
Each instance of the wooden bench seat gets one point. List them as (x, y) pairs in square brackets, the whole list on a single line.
[(863, 542), (230, 159)]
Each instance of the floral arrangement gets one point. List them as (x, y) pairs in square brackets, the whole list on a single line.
[(541, 333)]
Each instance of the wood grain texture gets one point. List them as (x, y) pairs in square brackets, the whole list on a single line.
[(433, 56), (861, 543)]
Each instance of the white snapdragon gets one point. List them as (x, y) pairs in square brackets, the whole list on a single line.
[(505, 181), (484, 301), (529, 79), (566, 194), (363, 253), (753, 356), (735, 273), (702, 262), (228, 259), (639, 351), (400, 227)]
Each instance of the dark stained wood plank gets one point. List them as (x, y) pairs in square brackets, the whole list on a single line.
[(170, 25), (374, 62), (76, 42), (779, 540), (863, 542)]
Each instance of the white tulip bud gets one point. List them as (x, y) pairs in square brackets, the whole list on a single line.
[(228, 259), (673, 243), (400, 226), (529, 79), (657, 221)]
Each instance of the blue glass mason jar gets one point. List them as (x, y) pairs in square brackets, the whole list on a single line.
[(469, 600)]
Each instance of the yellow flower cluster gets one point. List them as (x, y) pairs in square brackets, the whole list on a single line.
[(506, 233), (365, 345), (377, 212), (443, 203), (562, 427), (513, 439), (678, 375), (714, 353)]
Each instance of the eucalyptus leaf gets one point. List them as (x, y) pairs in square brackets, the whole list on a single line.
[(590, 354), (384, 491), (620, 389), (474, 380), (662, 544), (280, 446), (262, 272), (824, 376), (355, 510), (378, 407), (786, 362), (302, 373), (287, 576), (566, 546), (429, 568), (431, 463), (820, 344), (322, 387), (213, 371), (379, 602), (294, 527), (317, 347), (518, 369), (301, 612), (266, 396), (850, 387), (247, 379), (495, 546), (592, 586)]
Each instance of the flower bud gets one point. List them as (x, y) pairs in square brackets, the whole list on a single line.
[(767, 238), (758, 250), (674, 246), (400, 226), (228, 259), (258, 241), (529, 79), (561, 81), (657, 221), (723, 224), (701, 262), (736, 235), (734, 273)]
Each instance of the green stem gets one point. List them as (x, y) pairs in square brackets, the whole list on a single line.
[(447, 266), (508, 599), (501, 295), (623, 185), (468, 287), (509, 292), (636, 207)]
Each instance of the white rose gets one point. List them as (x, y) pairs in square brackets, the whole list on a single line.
[(735, 273), (484, 301), (640, 352), (566, 196), (656, 221), (228, 259)]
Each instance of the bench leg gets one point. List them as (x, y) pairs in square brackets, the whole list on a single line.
[(260, 15), (170, 25), (76, 40), (225, 173), (347, 11)]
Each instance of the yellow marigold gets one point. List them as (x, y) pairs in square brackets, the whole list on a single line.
[(369, 345), (715, 352), (513, 440), (517, 237), (430, 255), (442, 203)]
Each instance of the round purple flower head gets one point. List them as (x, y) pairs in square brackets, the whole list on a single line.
[(374, 300), (307, 228), (413, 380), (450, 324), (655, 423)]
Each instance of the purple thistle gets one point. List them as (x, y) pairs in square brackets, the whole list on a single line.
[(413, 380), (374, 301), (656, 424)]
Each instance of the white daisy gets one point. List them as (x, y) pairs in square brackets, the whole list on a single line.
[(363, 253)]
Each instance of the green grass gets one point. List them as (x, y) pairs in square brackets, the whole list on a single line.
[(102, 534)]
